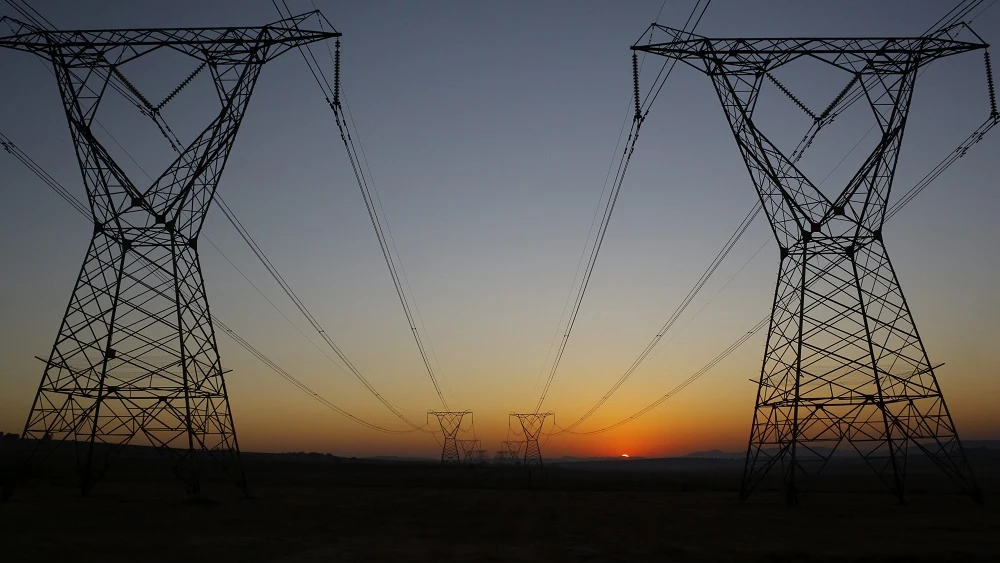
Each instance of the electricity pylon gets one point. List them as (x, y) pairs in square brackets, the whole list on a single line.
[(135, 360), (515, 447), (531, 425), (466, 447), (509, 452), (472, 451), (451, 423), (843, 361)]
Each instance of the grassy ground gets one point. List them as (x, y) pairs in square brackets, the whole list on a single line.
[(327, 510)]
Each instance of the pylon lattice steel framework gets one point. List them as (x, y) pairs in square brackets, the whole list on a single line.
[(509, 452), (843, 359), (467, 446), (531, 425), (451, 423), (472, 451), (136, 353)]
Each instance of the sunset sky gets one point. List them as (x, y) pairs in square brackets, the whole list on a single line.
[(489, 128)]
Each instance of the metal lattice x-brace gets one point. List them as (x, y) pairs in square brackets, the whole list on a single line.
[(472, 451), (136, 359), (451, 423), (510, 452), (843, 361), (531, 425)]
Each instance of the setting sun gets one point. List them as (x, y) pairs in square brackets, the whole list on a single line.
[(624, 455)]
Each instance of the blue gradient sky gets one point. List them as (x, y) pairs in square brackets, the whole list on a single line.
[(489, 127)]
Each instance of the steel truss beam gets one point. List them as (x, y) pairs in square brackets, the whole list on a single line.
[(136, 360), (843, 362)]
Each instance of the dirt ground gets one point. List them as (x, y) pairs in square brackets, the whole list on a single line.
[(306, 509)]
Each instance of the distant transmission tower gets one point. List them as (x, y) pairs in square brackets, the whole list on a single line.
[(136, 360), (843, 361), (467, 447), (515, 447), (509, 452), (531, 424), (450, 422), (472, 451)]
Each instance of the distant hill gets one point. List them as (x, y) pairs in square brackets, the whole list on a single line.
[(842, 451), (981, 444), (403, 459), (716, 454), (635, 462)]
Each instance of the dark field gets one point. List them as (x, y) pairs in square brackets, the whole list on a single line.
[(319, 508)]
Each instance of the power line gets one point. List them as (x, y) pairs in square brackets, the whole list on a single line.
[(175, 143), (369, 193), (301, 306), (684, 384), (838, 105), (270, 302), (609, 206), (597, 210), (392, 240), (681, 308), (956, 154), (955, 15), (14, 150), (79, 206), (134, 96), (908, 197), (44, 176)]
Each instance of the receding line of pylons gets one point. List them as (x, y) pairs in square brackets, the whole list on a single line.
[(842, 347)]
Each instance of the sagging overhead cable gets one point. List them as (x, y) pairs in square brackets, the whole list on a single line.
[(333, 95), (838, 105), (175, 143), (609, 206), (81, 208), (963, 147), (974, 138), (131, 95)]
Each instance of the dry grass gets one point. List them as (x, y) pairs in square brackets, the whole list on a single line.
[(319, 510)]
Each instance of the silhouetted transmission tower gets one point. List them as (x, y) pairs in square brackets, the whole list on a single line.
[(466, 447), (136, 358), (509, 452), (531, 425), (450, 422), (843, 360), (472, 451)]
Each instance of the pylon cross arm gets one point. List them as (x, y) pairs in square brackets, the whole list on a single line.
[(179, 198), (797, 209), (223, 44), (762, 54)]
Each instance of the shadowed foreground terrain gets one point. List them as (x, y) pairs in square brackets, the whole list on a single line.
[(321, 508)]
